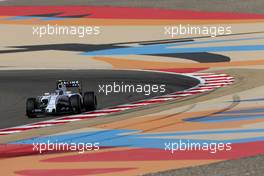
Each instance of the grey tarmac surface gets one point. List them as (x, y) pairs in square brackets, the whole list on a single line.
[(251, 166), (252, 6), (17, 86)]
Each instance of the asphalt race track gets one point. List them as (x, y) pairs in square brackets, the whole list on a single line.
[(17, 86)]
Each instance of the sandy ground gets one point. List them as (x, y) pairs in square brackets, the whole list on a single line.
[(52, 57)]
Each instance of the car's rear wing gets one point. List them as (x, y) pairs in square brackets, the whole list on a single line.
[(70, 83)]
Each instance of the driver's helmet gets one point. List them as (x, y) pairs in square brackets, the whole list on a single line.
[(61, 85)]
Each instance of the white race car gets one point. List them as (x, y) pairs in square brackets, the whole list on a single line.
[(62, 101)]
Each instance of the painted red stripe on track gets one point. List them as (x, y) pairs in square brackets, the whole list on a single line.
[(127, 106), (123, 12), (180, 93), (104, 111), (17, 129), (149, 154), (47, 123), (153, 101), (220, 81), (217, 78), (77, 117)]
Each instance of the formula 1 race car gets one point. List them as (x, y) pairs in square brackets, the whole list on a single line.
[(62, 101)]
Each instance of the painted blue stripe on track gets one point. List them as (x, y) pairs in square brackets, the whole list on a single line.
[(117, 138), (221, 118), (256, 110), (161, 50)]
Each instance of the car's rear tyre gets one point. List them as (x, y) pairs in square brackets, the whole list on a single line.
[(30, 107), (76, 104), (89, 101)]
